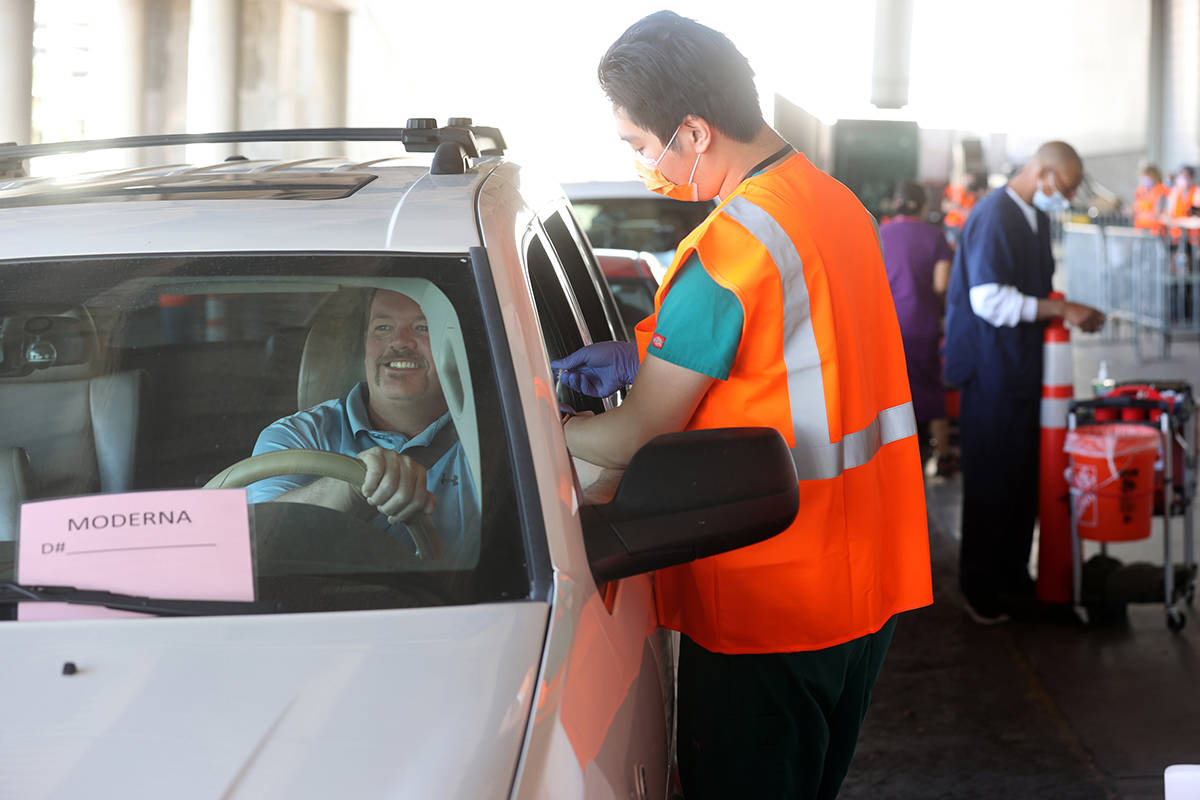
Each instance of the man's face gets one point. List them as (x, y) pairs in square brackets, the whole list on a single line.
[(650, 148), (399, 362)]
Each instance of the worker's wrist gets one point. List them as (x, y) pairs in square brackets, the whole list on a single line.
[(1050, 308)]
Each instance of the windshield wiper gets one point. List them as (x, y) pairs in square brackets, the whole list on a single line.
[(17, 593)]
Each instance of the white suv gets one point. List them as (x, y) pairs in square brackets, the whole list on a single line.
[(154, 321)]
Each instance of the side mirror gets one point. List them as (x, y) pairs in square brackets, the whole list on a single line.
[(689, 495)]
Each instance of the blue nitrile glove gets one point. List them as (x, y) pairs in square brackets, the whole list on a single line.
[(599, 369)]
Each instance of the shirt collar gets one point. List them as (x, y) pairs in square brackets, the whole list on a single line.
[(1028, 210), (356, 409), (360, 421)]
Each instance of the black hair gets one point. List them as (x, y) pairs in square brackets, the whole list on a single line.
[(909, 199), (665, 67), (1188, 170)]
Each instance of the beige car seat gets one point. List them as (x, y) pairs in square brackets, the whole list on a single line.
[(66, 430)]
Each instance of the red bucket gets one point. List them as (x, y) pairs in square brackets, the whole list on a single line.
[(1112, 480)]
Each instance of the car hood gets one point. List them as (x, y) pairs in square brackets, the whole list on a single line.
[(403, 703)]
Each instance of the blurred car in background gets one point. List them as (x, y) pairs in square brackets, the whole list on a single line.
[(633, 278), (626, 215)]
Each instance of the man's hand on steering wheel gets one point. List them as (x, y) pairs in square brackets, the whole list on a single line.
[(395, 485)]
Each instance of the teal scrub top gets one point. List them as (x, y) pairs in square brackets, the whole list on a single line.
[(699, 326)]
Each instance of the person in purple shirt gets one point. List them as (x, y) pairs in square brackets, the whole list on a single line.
[(917, 258)]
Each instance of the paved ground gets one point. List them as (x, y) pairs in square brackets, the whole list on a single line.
[(1033, 710)]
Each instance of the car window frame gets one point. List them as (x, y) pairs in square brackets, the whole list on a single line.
[(535, 234), (590, 280)]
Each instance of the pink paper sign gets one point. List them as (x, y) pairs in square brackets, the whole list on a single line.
[(189, 544)]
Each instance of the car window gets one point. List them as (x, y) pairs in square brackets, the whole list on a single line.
[(582, 275), (655, 225), (559, 320), (142, 374), (636, 295)]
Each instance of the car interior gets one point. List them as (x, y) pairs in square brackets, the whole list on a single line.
[(163, 382)]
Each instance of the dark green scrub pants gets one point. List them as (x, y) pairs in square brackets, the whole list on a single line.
[(773, 725)]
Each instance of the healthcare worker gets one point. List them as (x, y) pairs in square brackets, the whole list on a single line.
[(1149, 200), (1183, 202), (917, 258), (1184, 194), (997, 308), (775, 312)]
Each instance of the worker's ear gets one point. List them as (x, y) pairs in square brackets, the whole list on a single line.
[(699, 132)]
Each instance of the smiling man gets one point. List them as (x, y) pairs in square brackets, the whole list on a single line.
[(397, 423)]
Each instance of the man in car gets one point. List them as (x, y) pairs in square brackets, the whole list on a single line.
[(398, 424)]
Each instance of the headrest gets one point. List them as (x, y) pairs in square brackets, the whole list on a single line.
[(332, 361)]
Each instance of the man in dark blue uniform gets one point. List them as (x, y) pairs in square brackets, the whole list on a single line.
[(997, 308)]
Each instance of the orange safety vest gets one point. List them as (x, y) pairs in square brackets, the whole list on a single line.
[(1145, 207), (821, 361), (1178, 203)]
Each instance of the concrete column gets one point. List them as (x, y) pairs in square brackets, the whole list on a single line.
[(331, 37), (1155, 83), (212, 82), (893, 46), (16, 70), (1180, 121), (119, 58)]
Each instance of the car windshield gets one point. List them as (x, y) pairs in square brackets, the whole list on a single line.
[(137, 375)]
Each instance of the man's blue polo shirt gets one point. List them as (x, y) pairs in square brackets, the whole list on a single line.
[(342, 426)]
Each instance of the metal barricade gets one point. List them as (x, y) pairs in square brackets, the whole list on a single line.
[(1136, 263), (1135, 278), (1083, 255), (1181, 282)]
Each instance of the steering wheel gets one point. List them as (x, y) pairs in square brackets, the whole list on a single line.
[(323, 464)]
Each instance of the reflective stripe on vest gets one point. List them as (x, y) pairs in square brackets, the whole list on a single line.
[(815, 455)]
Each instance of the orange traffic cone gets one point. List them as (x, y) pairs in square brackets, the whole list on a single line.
[(1054, 512)]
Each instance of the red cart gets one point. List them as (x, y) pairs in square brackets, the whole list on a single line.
[(1135, 458)]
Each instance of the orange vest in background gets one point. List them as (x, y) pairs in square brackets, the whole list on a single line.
[(1180, 200), (955, 218), (1178, 203), (822, 362), (964, 201), (1145, 207)]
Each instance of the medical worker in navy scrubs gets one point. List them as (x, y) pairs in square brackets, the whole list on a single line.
[(997, 308)]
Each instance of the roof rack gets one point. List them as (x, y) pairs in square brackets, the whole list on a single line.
[(419, 135)]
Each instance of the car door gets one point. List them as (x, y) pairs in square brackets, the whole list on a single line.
[(618, 698)]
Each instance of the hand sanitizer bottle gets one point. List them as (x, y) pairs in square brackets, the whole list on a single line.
[(1102, 384)]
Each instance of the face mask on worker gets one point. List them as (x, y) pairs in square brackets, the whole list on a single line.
[(1050, 203), (1183, 181), (1147, 182), (657, 182)]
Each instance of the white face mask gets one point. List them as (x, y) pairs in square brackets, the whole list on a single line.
[(1050, 203)]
